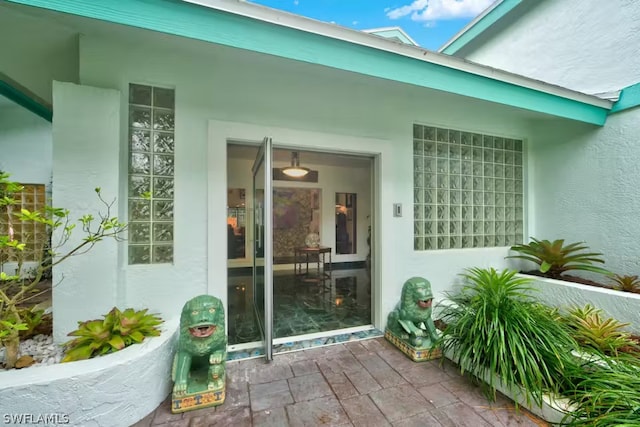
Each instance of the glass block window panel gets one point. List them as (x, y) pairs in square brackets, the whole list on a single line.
[(33, 235), (151, 174), (468, 189)]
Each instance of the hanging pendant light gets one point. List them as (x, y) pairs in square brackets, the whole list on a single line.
[(295, 171)]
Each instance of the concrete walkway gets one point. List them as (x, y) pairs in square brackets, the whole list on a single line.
[(365, 383)]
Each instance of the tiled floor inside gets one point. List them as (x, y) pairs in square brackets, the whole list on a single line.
[(299, 307), (362, 383)]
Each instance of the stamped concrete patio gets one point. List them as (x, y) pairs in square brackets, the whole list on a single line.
[(364, 383)]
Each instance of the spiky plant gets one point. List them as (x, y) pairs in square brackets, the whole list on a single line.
[(116, 331), (626, 283), (555, 258), (594, 331), (495, 328)]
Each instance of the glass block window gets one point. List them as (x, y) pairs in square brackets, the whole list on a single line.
[(467, 189), (34, 235), (151, 174)]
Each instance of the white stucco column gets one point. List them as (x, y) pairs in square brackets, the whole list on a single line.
[(86, 133)]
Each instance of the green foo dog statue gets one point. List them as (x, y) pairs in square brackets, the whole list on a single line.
[(410, 326), (199, 364)]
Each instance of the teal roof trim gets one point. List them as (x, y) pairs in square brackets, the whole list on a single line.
[(25, 101), (394, 33), (480, 26), (629, 98), (196, 22)]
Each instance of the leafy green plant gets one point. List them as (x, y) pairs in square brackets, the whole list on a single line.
[(118, 329), (626, 283), (555, 258), (605, 393), (32, 318), (17, 289), (593, 331), (495, 328)]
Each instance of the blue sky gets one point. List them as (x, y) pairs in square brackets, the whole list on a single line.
[(429, 22)]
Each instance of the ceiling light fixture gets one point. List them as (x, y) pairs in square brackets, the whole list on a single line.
[(295, 171)]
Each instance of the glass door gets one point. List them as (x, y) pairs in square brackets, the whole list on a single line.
[(263, 244)]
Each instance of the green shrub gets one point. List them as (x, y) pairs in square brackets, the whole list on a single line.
[(18, 289), (555, 258), (116, 331), (494, 327)]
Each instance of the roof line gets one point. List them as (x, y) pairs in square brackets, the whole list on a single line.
[(399, 29), (478, 25), (301, 23), (629, 98), (25, 98)]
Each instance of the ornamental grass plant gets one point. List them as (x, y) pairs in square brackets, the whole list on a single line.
[(497, 331), (605, 392)]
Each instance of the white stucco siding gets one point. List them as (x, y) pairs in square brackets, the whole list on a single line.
[(585, 187), (86, 150), (582, 184), (590, 46), (25, 144), (298, 105)]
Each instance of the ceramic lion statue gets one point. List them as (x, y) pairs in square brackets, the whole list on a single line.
[(411, 319), (202, 344)]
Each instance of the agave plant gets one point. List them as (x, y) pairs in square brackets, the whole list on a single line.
[(555, 258), (116, 331), (593, 331), (495, 328), (626, 283)]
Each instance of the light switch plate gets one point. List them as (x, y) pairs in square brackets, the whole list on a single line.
[(397, 209)]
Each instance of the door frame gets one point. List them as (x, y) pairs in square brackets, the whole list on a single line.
[(222, 133), (264, 159)]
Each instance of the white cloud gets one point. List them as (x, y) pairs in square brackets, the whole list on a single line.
[(432, 10), (354, 23), (296, 2)]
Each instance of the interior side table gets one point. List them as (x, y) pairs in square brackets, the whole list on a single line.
[(302, 258)]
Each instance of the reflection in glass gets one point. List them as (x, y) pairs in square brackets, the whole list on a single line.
[(236, 223), (346, 223)]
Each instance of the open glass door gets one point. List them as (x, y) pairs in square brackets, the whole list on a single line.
[(263, 244)]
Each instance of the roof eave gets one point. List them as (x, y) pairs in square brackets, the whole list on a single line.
[(302, 39), (479, 25), (290, 20), (400, 30)]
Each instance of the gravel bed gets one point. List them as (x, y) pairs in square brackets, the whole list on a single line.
[(41, 348)]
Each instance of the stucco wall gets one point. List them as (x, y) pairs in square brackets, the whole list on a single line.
[(583, 187), (85, 156), (25, 143), (589, 46), (298, 105)]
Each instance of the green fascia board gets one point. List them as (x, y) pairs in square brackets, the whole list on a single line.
[(629, 98), (25, 101), (479, 27), (196, 22)]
